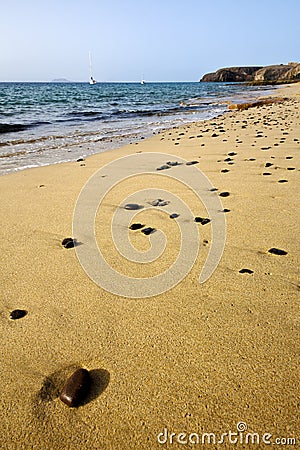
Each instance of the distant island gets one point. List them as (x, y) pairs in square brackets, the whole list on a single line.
[(61, 80), (256, 75)]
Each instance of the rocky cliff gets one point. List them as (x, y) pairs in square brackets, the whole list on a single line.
[(269, 74)]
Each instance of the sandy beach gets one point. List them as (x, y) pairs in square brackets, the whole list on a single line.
[(195, 359)]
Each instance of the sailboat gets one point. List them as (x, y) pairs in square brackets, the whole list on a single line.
[(92, 79)]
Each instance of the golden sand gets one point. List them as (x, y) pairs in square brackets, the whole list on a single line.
[(198, 358)]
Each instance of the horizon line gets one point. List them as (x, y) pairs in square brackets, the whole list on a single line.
[(98, 82)]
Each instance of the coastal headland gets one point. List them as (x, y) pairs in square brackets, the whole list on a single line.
[(257, 75)]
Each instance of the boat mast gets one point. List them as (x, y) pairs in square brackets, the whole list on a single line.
[(92, 81)]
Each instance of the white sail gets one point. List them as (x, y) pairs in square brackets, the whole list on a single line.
[(92, 79)]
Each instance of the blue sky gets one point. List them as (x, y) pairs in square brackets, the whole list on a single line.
[(164, 40)]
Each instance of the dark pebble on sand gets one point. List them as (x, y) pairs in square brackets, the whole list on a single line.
[(282, 181), (224, 194), (214, 135), (163, 167), (136, 226), (80, 159), (148, 230), (202, 220), (277, 251), (132, 206), (290, 168), (225, 210), (17, 314), (68, 242), (191, 163), (245, 271), (268, 164), (225, 170), (267, 173), (173, 163), (76, 388), (232, 154), (213, 189), (174, 216)]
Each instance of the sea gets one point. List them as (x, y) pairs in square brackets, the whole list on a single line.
[(48, 123)]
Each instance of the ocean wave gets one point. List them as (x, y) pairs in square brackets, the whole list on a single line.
[(16, 127)]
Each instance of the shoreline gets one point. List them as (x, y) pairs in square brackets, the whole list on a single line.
[(194, 359), (52, 140)]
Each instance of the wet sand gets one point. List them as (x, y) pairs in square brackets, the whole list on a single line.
[(198, 358)]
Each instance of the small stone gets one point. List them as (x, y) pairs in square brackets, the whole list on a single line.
[(163, 167), (282, 181), (202, 220), (148, 230), (191, 163), (136, 226), (214, 135), (133, 206), (159, 202), (68, 242), (267, 173), (224, 194), (245, 271), (17, 314), (225, 210), (76, 388), (277, 251), (268, 164), (80, 159), (174, 216), (173, 163), (225, 170), (213, 189), (232, 154)]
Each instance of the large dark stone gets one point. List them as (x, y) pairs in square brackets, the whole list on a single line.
[(76, 388)]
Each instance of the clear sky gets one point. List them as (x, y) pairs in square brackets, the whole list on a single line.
[(165, 40)]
